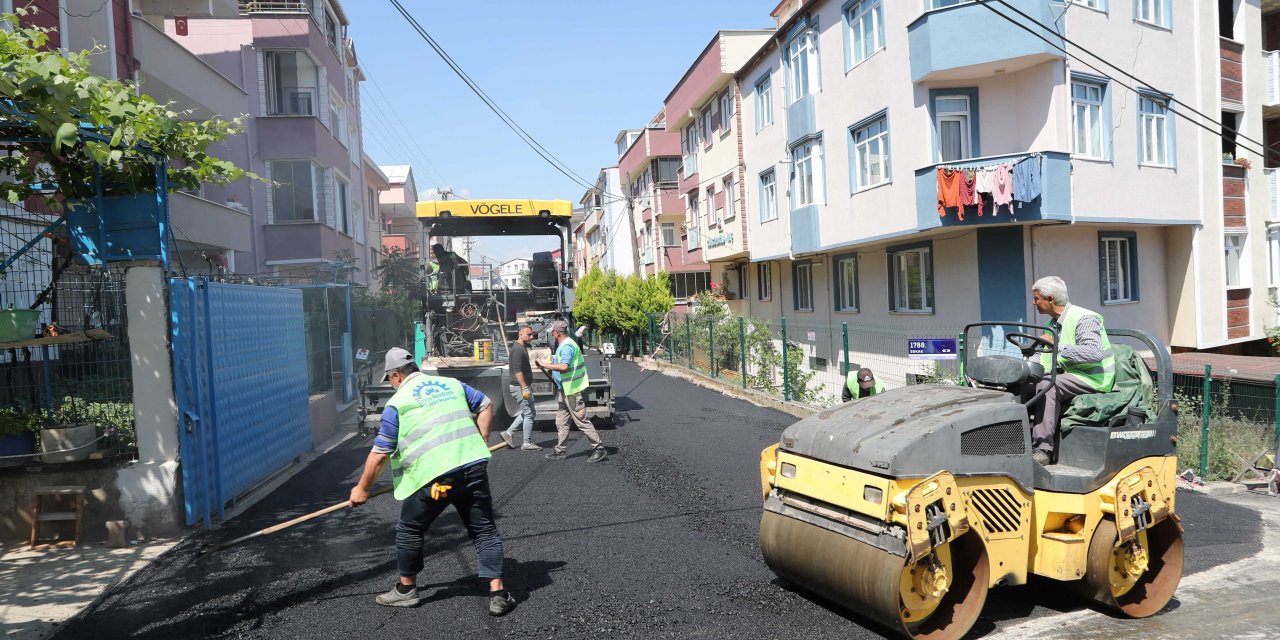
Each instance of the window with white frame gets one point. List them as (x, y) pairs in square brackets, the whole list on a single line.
[(1092, 4), (293, 192), (764, 103), (1235, 259), (293, 82), (1153, 11), (338, 118), (714, 213), (1117, 267), (1273, 256), (952, 122), (1154, 130), (846, 273), (802, 286), (689, 148), (871, 153), (742, 281), (730, 197), (341, 209), (693, 233), (806, 174), (1086, 103), (669, 234), (357, 223), (727, 109), (331, 32), (710, 120), (768, 196), (764, 281), (802, 65), (911, 279), (865, 21)]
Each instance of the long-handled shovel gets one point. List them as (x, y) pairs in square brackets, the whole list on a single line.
[(206, 549)]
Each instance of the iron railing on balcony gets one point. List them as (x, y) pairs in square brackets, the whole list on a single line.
[(281, 6)]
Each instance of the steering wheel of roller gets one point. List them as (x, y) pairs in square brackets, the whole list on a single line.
[(470, 310), (1028, 343)]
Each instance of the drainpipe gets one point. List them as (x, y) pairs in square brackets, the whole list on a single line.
[(1031, 229)]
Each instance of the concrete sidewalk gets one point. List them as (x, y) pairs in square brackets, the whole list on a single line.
[(40, 590)]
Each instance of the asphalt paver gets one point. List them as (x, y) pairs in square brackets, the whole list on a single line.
[(657, 541)]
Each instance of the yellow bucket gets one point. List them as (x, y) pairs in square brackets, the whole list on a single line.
[(483, 350)]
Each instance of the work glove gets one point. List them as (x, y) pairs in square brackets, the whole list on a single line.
[(525, 393)]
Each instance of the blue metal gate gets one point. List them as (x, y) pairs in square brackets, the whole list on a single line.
[(240, 376)]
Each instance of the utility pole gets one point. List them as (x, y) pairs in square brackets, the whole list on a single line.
[(631, 221)]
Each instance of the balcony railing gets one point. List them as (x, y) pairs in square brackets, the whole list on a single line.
[(1053, 203), (248, 6), (648, 256)]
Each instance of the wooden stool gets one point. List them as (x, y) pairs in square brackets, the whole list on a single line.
[(41, 514)]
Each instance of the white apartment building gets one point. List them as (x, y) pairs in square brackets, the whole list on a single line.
[(852, 108), (512, 273), (609, 232)]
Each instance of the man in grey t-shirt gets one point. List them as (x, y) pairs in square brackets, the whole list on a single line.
[(521, 383)]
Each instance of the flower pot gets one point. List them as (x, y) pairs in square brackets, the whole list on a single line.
[(81, 438), (18, 324), (16, 445)]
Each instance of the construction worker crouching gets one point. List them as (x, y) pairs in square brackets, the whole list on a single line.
[(860, 383), (434, 433)]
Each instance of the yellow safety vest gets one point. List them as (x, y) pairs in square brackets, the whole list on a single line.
[(575, 379), (437, 432), (1101, 376)]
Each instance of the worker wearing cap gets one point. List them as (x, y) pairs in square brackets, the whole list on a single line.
[(570, 373), (860, 383), (434, 432)]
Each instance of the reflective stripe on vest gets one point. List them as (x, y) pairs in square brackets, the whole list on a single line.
[(574, 379), (851, 383), (437, 432), (1101, 376)]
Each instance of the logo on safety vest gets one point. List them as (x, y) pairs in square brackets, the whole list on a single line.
[(429, 392)]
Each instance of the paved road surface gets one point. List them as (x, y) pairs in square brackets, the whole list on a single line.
[(659, 541)]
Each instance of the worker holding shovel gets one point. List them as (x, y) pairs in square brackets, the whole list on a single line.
[(438, 458)]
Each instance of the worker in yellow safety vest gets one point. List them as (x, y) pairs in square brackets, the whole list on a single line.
[(1085, 360), (570, 373), (434, 434), (861, 383)]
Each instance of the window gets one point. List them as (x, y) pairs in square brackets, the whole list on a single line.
[(952, 122), (806, 174), (1118, 267), (871, 153), (689, 148), (1153, 11), (864, 31), (668, 169), (730, 192), (742, 281), (694, 219), (338, 118), (669, 234), (768, 196), (293, 82), (764, 281), (764, 103), (1273, 256), (714, 210), (331, 31), (1092, 4), (1235, 260), (342, 217), (710, 121), (1153, 130), (911, 279), (1086, 105), (293, 196), (846, 277), (802, 286), (727, 110), (802, 65)]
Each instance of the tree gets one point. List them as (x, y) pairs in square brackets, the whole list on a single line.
[(525, 281), (400, 272), (75, 126)]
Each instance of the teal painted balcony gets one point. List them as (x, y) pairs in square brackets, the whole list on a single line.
[(1053, 203), (804, 230), (801, 119), (968, 40)]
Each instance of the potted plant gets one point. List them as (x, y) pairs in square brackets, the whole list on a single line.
[(17, 436)]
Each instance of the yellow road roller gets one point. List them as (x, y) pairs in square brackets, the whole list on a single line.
[(908, 506)]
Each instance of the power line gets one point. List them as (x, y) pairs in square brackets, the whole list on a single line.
[(1261, 153), (396, 114), (528, 139)]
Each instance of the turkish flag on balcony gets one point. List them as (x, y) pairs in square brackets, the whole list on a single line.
[(180, 25)]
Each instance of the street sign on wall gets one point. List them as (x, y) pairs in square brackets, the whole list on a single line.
[(932, 349)]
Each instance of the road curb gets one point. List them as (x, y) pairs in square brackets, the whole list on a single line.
[(748, 395)]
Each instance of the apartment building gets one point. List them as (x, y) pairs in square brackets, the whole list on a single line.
[(376, 183), (399, 204), (513, 273), (608, 231), (648, 165), (865, 119), (300, 80)]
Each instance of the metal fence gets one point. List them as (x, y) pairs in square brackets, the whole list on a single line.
[(810, 369), (1226, 427)]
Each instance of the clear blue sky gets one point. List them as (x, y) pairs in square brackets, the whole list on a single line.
[(571, 73)]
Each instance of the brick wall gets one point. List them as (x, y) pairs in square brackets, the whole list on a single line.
[(1237, 313), (1232, 69)]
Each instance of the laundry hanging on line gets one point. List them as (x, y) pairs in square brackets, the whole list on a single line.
[(1005, 182)]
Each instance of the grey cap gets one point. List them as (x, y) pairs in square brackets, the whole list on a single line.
[(865, 378), (396, 358), (561, 326)]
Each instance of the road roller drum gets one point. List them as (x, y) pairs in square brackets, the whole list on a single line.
[(905, 508)]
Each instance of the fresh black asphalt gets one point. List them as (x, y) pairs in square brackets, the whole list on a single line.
[(658, 541)]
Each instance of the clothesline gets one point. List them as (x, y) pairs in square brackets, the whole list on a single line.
[(974, 167), (1004, 182)]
